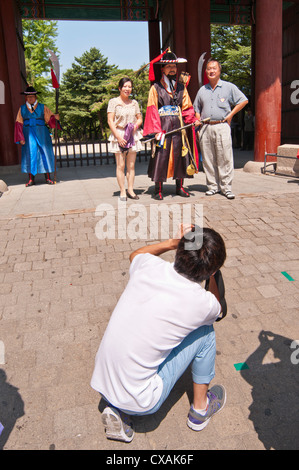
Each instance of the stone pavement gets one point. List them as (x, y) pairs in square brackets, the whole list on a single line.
[(59, 283)]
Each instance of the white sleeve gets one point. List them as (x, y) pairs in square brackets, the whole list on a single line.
[(143, 260)]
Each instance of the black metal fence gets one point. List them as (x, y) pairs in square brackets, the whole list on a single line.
[(86, 152)]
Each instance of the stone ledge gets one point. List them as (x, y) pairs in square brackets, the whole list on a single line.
[(253, 167), (290, 165), (3, 187)]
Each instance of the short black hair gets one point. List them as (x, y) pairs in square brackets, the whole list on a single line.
[(198, 261), (211, 59), (123, 81)]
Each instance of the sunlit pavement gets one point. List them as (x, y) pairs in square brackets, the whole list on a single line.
[(60, 280)]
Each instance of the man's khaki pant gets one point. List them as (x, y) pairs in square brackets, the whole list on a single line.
[(217, 156)]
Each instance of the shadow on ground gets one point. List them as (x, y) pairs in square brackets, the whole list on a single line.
[(11, 408), (14, 176), (273, 376)]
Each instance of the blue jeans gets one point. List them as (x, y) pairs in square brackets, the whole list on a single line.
[(199, 347)]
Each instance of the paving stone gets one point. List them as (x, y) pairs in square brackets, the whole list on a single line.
[(269, 291), (59, 284)]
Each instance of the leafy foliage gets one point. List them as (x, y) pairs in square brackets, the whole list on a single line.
[(231, 45), (38, 37), (81, 86), (140, 91)]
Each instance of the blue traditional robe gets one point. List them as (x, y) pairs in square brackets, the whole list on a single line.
[(37, 153)]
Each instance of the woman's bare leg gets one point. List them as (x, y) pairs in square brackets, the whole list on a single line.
[(120, 172), (131, 159)]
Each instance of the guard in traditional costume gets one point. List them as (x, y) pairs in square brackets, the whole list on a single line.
[(32, 133), (169, 107)]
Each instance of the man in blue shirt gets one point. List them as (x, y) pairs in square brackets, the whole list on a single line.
[(215, 101)]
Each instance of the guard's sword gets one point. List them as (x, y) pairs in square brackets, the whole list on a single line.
[(199, 69), (150, 137)]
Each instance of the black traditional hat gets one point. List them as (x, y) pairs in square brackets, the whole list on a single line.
[(29, 91), (171, 58), (167, 57)]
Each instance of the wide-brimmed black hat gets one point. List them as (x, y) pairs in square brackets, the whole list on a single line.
[(30, 91), (171, 58), (167, 57)]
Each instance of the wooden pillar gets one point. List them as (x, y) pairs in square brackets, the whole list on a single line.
[(253, 74), (11, 77), (154, 39), (268, 77), (192, 35), (178, 33), (198, 38), (154, 44)]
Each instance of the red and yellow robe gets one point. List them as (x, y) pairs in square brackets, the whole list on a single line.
[(162, 115)]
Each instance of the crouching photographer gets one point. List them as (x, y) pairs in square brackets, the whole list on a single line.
[(162, 323)]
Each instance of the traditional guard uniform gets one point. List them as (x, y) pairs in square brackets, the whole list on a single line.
[(30, 126), (169, 107)]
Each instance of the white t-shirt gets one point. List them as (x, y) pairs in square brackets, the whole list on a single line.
[(156, 311)]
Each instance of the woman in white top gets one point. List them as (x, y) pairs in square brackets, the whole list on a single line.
[(124, 119)]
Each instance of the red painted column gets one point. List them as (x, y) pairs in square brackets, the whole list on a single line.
[(198, 38), (179, 39), (268, 77), (11, 77), (8, 150), (154, 44), (154, 39)]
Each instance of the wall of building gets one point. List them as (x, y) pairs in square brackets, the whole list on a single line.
[(12, 69)]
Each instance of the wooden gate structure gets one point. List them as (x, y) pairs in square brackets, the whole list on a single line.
[(185, 26)]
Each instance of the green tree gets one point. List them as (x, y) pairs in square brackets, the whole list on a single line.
[(38, 37), (81, 87), (231, 45), (141, 87)]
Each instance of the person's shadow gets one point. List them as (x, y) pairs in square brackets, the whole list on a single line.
[(11, 408), (274, 376)]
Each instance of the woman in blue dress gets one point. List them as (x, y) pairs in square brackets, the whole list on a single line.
[(32, 133)]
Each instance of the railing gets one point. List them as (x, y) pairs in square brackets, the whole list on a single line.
[(75, 152), (274, 164), (275, 169)]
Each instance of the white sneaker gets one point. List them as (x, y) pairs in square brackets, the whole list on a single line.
[(217, 399), (229, 195), (211, 192), (118, 425)]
